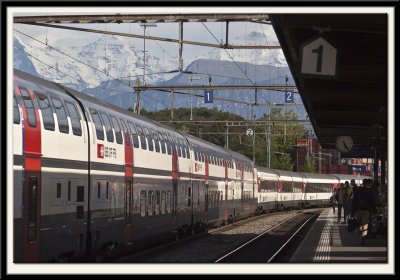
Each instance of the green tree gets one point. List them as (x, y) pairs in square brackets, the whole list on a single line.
[(283, 138), (309, 165)]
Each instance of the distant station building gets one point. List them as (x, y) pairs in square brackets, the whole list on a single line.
[(329, 161)]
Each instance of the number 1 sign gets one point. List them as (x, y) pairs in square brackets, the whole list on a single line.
[(318, 57)]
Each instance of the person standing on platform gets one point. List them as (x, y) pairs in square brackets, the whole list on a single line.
[(353, 187), (363, 204), (347, 198), (333, 200), (340, 200)]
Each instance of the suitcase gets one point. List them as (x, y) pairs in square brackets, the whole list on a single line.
[(352, 224)]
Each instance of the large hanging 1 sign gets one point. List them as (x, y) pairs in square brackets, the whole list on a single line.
[(318, 57)]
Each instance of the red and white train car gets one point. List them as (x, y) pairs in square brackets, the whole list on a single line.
[(91, 179)]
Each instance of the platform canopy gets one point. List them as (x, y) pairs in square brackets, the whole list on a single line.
[(340, 65)]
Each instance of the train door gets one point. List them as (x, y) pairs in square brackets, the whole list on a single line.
[(226, 192), (241, 188), (175, 179), (190, 201), (128, 209), (128, 193), (32, 151), (206, 198)]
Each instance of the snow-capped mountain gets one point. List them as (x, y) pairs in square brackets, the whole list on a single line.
[(112, 56), (21, 60), (273, 57), (116, 57)]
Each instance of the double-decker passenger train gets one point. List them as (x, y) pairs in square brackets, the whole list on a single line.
[(91, 178)]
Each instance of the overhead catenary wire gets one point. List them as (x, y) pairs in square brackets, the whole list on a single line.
[(182, 93), (75, 78), (228, 54), (151, 105), (94, 68)]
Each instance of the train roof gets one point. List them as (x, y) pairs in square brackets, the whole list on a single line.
[(266, 170), (90, 99), (83, 96)]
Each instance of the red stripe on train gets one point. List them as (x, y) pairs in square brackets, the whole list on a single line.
[(32, 152), (128, 230)]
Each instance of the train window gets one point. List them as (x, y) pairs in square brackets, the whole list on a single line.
[(32, 208), (117, 129), (135, 138), (163, 203), (162, 143), (126, 133), (168, 146), (150, 203), (79, 212), (189, 196), (61, 115), (168, 202), (142, 137), (143, 203), (156, 142), (178, 150), (149, 138), (69, 190), (30, 109), (195, 155), (16, 112), (157, 203), (150, 142), (58, 194), (107, 189), (107, 126), (47, 112), (98, 124), (75, 118), (80, 194), (98, 190)]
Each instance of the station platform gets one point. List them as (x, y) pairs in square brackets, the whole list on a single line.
[(329, 242)]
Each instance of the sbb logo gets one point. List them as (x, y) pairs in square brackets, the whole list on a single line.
[(100, 150)]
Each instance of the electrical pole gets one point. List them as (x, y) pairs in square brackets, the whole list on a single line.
[(144, 25), (191, 78), (172, 104), (227, 137)]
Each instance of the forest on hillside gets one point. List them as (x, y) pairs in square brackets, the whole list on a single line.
[(283, 135)]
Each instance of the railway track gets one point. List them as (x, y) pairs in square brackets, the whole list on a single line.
[(273, 245), (211, 246)]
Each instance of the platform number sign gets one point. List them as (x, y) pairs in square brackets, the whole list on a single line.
[(289, 98), (208, 96), (318, 57)]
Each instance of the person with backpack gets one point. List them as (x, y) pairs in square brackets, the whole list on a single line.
[(363, 204)]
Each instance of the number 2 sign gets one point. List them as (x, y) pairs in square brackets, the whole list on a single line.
[(289, 97)]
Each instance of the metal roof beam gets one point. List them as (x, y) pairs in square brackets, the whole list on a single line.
[(222, 46), (204, 87), (156, 18)]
